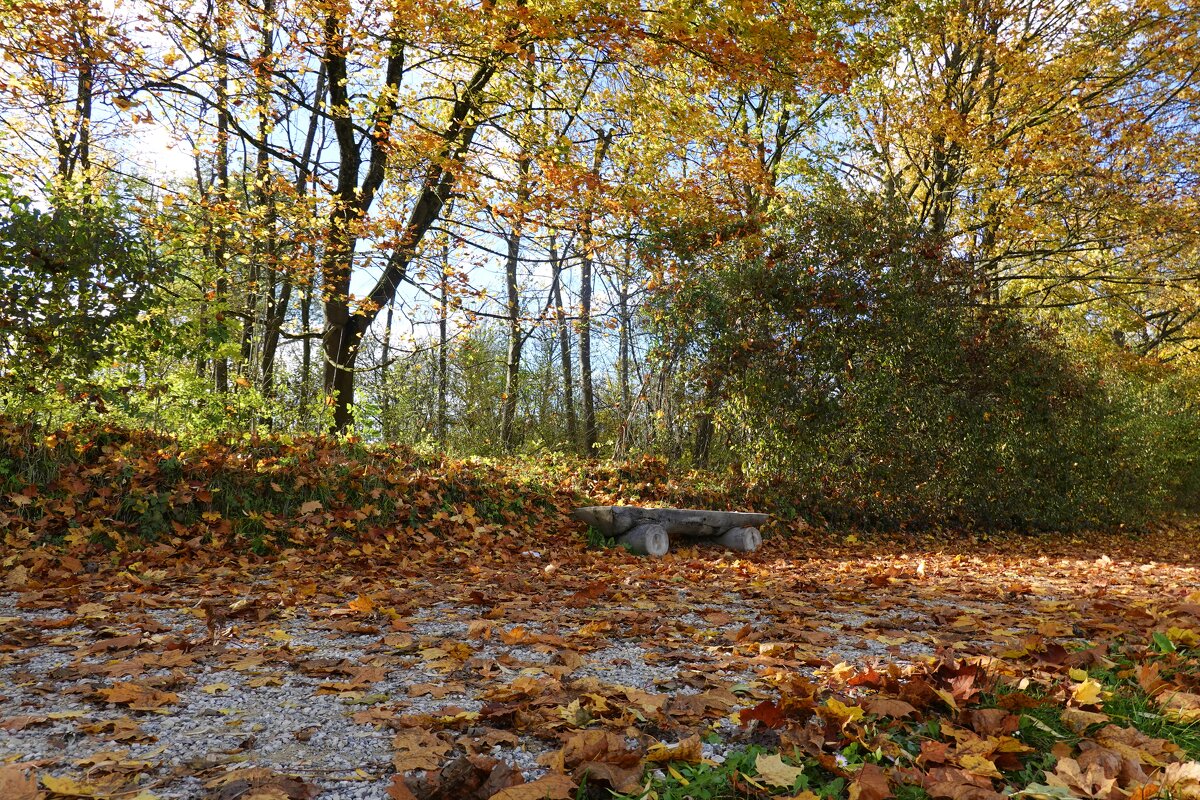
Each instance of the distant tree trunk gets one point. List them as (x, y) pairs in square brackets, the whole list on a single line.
[(221, 249), (705, 428), (564, 343), (625, 334), (306, 348), (277, 313), (623, 354), (516, 336), (443, 376), (263, 265), (585, 354), (512, 372), (590, 434), (385, 395)]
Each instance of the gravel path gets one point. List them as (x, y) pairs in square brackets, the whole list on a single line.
[(140, 686), (178, 685)]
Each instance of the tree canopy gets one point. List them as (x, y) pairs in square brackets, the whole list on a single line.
[(922, 258)]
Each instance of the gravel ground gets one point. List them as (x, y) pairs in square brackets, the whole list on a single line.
[(319, 691)]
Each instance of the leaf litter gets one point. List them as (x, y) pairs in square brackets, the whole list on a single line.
[(522, 664)]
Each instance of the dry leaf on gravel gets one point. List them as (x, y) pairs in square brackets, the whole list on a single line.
[(550, 787), (261, 783), (137, 697), (418, 749), (17, 783)]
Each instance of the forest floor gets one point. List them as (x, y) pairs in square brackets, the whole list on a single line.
[(821, 666)]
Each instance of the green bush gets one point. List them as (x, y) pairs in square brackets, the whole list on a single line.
[(861, 362)]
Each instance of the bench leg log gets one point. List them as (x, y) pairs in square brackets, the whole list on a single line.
[(646, 540), (744, 540)]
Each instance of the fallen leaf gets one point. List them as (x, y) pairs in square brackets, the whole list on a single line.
[(549, 787), (69, 787), (688, 750), (776, 773), (418, 749), (871, 783), (17, 783)]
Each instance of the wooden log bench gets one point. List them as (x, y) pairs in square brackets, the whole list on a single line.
[(648, 531)]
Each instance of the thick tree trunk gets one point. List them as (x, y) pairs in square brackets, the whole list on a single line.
[(345, 327)]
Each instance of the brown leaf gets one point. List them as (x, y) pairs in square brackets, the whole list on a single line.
[(21, 723), (1090, 781), (17, 783), (767, 712), (992, 721), (625, 780), (689, 750), (1079, 720), (592, 745), (137, 697), (550, 787), (261, 782), (418, 749), (398, 789), (871, 783), (889, 707), (1182, 780)]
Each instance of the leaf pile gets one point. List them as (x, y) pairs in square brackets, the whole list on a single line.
[(479, 649)]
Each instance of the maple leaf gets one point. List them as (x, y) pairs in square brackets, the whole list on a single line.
[(549, 787), (261, 782), (774, 772), (836, 711), (1079, 720), (889, 707), (310, 507), (1182, 707), (137, 696), (767, 712), (1182, 780), (362, 604), (871, 783), (601, 757), (1088, 693), (1092, 781), (418, 749)]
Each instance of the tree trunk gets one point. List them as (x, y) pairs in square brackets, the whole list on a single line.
[(385, 395), (512, 374), (221, 249), (278, 312), (443, 376), (516, 336), (564, 344), (345, 327), (590, 434)]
